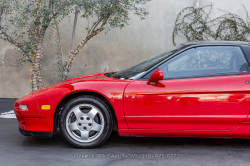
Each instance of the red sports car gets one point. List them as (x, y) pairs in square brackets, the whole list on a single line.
[(194, 90)]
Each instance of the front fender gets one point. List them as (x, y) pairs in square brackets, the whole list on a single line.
[(111, 90)]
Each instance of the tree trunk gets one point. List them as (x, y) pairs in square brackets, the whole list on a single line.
[(76, 51), (61, 51), (67, 65), (36, 80), (74, 30)]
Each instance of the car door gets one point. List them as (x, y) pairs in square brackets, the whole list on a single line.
[(204, 88)]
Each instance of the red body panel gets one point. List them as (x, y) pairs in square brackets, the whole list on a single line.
[(36, 124), (243, 131), (198, 107), (215, 103)]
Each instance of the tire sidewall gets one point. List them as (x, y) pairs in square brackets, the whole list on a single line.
[(107, 122)]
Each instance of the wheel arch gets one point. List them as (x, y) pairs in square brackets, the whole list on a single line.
[(92, 94)]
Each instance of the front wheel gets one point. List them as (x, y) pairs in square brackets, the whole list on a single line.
[(86, 122)]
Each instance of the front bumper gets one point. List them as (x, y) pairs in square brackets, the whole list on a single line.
[(31, 120), (35, 124), (35, 133)]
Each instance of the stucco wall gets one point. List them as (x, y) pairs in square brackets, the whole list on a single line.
[(113, 51)]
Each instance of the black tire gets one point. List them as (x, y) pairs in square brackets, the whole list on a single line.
[(104, 109)]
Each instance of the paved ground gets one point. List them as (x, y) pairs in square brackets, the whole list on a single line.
[(16, 149), (6, 105)]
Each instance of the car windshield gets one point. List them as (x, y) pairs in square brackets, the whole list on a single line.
[(144, 66)]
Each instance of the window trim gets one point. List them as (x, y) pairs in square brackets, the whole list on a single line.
[(198, 76)]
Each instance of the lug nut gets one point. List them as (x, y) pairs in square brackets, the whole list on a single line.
[(84, 128), (79, 124), (81, 118), (88, 118), (90, 124)]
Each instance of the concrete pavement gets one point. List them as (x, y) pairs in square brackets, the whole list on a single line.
[(6, 104), (16, 150)]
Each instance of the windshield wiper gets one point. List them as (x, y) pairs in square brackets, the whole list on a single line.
[(111, 75)]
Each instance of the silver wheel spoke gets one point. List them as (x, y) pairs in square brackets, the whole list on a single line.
[(92, 113), (84, 135), (73, 126), (80, 126), (78, 113), (96, 127)]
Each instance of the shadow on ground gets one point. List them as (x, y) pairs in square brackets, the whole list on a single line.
[(116, 140)]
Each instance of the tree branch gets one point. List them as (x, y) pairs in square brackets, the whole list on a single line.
[(1, 10), (55, 14), (94, 26), (21, 46)]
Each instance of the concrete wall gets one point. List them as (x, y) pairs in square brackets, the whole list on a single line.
[(114, 51)]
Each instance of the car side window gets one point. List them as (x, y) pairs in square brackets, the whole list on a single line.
[(202, 61)]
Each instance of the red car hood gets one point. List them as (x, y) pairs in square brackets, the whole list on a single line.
[(92, 77), (86, 77)]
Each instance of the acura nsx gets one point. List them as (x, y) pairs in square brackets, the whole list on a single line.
[(198, 89)]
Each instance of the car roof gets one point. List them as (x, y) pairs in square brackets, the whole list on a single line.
[(216, 43)]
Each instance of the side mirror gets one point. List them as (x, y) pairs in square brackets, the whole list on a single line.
[(155, 77)]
